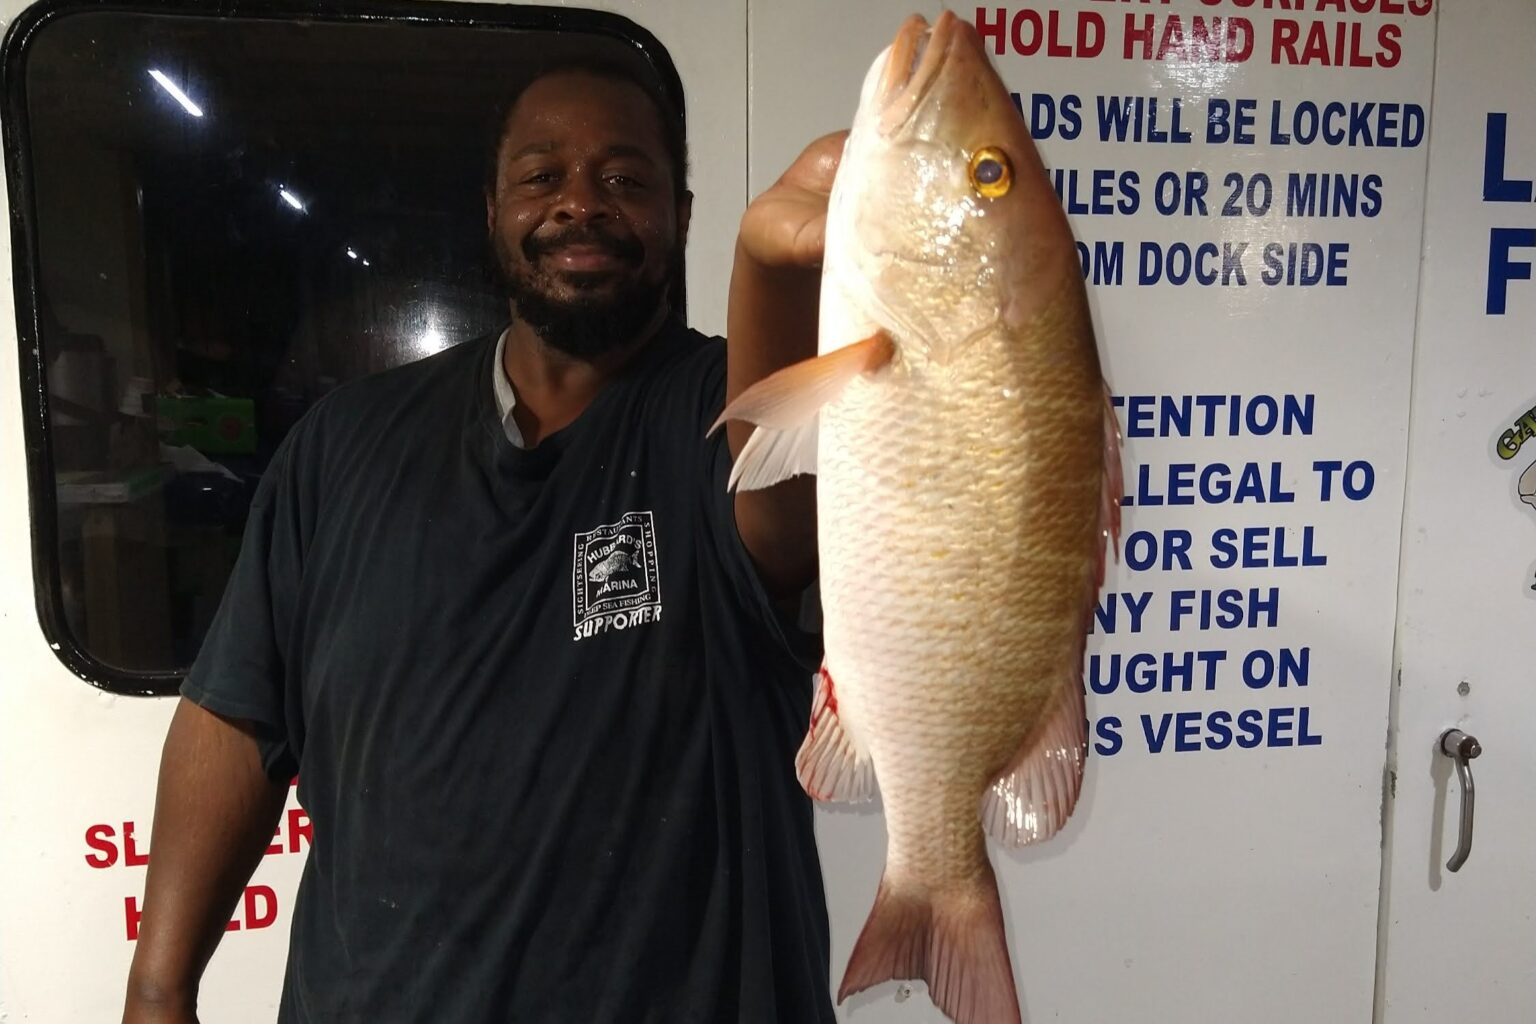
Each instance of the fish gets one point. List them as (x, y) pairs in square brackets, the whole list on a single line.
[(619, 561), (956, 411), (1527, 485)]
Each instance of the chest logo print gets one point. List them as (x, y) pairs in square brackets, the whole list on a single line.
[(615, 576)]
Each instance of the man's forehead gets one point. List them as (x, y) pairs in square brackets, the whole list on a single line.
[(612, 151), (565, 101)]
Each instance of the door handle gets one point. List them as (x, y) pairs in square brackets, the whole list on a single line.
[(1462, 748)]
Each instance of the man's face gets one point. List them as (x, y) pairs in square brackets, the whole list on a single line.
[(585, 218)]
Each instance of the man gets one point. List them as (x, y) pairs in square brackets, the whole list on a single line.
[(522, 647)]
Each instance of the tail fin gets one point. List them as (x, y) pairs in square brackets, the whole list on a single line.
[(952, 940)]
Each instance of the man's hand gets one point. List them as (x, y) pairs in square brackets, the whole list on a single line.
[(786, 226), (771, 324)]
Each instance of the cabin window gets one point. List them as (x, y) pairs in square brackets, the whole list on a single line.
[(216, 221)]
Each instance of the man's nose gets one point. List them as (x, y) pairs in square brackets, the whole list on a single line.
[(581, 200)]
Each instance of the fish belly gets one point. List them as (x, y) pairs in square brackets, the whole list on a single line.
[(958, 509)]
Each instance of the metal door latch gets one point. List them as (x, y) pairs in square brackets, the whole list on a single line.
[(1462, 748)]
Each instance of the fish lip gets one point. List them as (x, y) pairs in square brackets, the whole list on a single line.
[(904, 88)]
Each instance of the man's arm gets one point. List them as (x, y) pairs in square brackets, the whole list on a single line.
[(215, 813), (770, 324)]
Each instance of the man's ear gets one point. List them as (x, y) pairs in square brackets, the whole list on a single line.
[(490, 212), (684, 215)]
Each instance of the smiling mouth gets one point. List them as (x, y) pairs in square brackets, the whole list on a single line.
[(585, 258)]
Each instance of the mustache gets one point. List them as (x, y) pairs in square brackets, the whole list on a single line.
[(626, 249)]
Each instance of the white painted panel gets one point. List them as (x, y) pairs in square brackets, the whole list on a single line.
[(1460, 945), (74, 760), (1207, 884)]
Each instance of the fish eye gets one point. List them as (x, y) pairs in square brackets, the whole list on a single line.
[(991, 173)]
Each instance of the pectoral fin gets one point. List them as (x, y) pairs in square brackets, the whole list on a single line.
[(784, 408)]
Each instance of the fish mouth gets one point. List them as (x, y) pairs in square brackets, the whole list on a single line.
[(912, 66)]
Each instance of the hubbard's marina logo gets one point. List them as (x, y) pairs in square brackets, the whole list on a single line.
[(615, 579)]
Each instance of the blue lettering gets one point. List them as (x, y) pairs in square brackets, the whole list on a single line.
[(1187, 738), (1502, 268), (1264, 547), (1142, 549), (1109, 741), (1220, 727), (1279, 726), (1304, 737), (1251, 722), (1497, 188), (1106, 613), (1230, 121)]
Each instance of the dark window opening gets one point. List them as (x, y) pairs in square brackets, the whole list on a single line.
[(218, 220)]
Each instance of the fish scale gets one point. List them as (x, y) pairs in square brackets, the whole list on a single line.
[(901, 630)]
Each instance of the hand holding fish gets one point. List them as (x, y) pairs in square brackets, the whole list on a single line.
[(786, 226), (771, 324)]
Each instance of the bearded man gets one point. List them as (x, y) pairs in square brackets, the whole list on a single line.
[(527, 655)]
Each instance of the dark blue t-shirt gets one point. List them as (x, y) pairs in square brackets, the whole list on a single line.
[(543, 714)]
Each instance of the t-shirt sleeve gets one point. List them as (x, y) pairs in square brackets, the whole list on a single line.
[(792, 628), (241, 671)]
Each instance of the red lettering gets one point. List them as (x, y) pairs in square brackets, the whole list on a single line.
[(1316, 48), (1356, 58), (259, 903), (1391, 6), (1206, 38), (1420, 7), (299, 827), (1284, 49), (263, 918), (1335, 44), (1090, 43), (276, 845), (1337, 5), (1173, 38), (1056, 48), (1143, 35), (1036, 26), (1239, 40), (131, 855), (1391, 49), (134, 915), (98, 837), (990, 29)]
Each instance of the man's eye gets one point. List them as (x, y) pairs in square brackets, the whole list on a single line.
[(625, 181), (537, 178)]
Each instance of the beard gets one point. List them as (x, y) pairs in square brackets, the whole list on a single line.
[(601, 310)]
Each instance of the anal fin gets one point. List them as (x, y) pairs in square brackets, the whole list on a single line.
[(831, 765), (1031, 800)]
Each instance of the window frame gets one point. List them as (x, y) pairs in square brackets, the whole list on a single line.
[(15, 134)]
